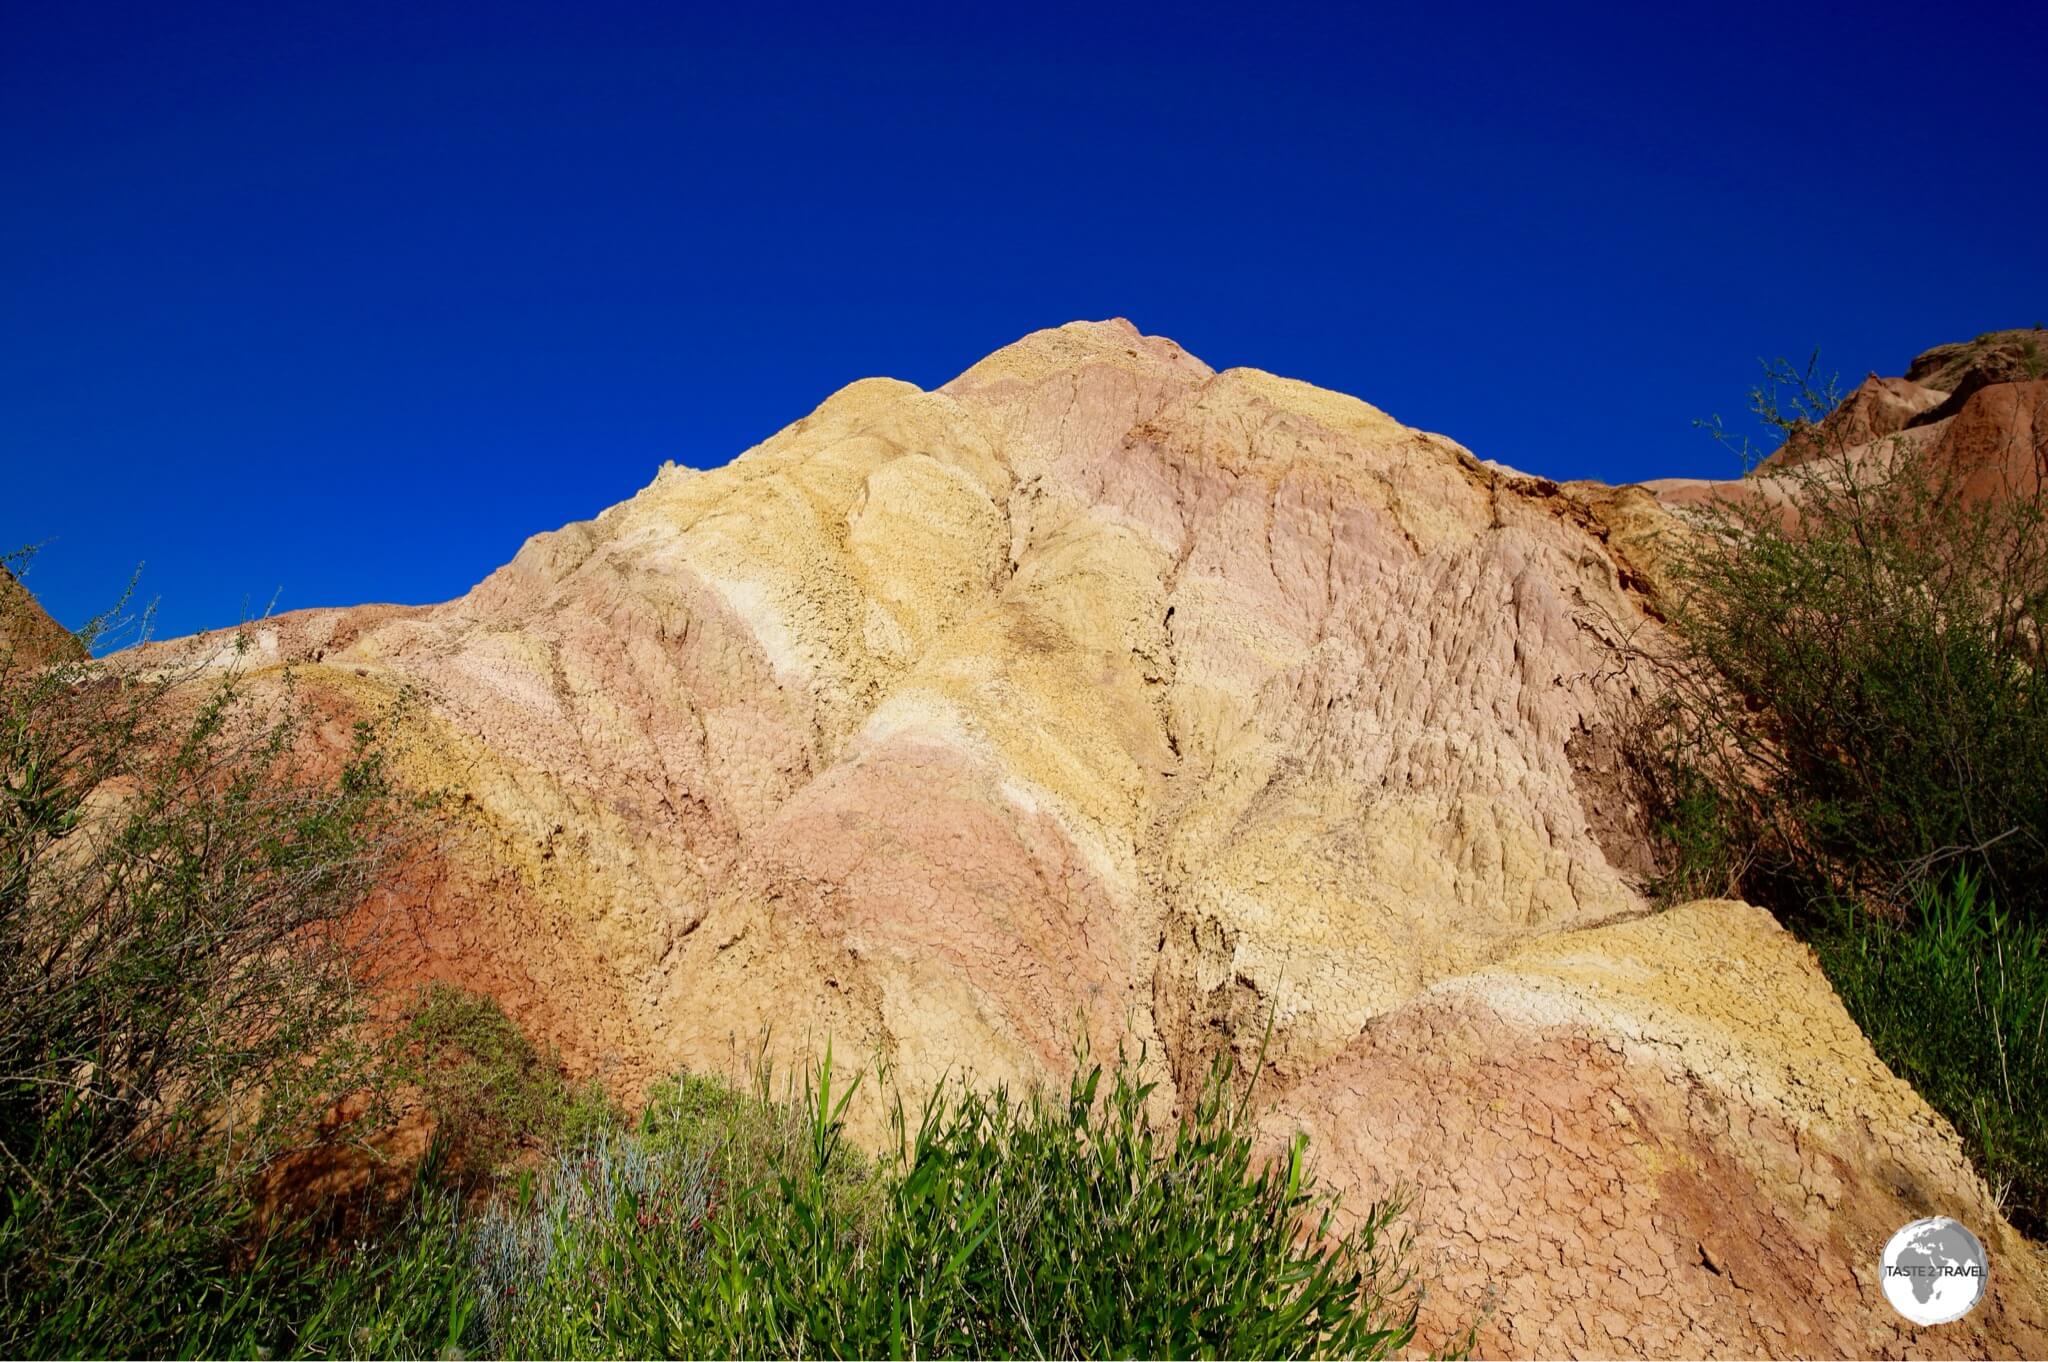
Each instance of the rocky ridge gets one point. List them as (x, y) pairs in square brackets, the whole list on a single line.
[(28, 636), (1975, 412), (1097, 691)]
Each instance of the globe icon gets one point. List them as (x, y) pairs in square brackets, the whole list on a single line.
[(1933, 1271)]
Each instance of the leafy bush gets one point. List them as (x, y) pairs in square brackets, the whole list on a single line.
[(1955, 998), (1857, 687), (180, 924), (488, 1087), (1057, 1228), (586, 1262), (996, 1228), (1853, 728)]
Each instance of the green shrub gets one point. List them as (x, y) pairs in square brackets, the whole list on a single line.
[(593, 1257), (1858, 675), (488, 1087), (180, 926), (1852, 727), (751, 1136), (728, 1224), (1955, 999)]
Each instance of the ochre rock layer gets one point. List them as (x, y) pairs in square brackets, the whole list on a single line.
[(1099, 693)]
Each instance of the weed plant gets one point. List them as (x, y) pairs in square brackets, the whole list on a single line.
[(994, 1227), (1955, 997)]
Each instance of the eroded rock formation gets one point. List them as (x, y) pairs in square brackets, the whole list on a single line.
[(1097, 690), (1974, 414), (28, 636)]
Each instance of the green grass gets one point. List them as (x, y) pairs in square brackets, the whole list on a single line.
[(406, 1291), (728, 1223), (1955, 1000)]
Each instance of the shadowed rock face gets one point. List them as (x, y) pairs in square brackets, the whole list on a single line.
[(2016, 356), (1098, 691)]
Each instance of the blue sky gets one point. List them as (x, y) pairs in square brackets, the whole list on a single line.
[(339, 303)]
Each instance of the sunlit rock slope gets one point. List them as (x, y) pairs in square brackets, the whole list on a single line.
[(1097, 691)]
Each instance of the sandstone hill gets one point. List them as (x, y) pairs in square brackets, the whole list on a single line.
[(1098, 691)]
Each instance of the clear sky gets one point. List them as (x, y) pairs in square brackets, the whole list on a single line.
[(340, 302)]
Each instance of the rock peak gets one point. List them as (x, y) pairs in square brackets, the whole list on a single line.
[(1078, 345)]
